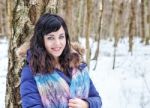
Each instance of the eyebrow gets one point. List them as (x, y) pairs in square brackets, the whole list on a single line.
[(62, 34), (59, 34), (50, 35)]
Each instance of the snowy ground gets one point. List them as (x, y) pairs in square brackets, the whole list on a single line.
[(127, 86), (3, 69)]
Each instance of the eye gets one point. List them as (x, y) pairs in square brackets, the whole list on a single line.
[(50, 38), (61, 37)]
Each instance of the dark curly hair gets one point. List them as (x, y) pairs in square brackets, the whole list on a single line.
[(41, 61)]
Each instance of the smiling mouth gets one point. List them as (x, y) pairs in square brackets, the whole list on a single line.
[(56, 49)]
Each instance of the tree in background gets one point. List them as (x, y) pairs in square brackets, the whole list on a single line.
[(147, 21), (117, 25), (132, 24), (3, 19), (142, 21), (97, 36)]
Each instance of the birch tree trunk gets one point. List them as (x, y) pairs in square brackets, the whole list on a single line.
[(25, 13)]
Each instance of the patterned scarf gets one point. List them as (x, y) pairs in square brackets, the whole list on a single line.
[(55, 91)]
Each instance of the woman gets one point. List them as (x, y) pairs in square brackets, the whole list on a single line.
[(54, 76)]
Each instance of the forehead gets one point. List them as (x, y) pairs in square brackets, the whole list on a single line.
[(59, 31)]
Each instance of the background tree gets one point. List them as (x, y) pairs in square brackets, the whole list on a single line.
[(147, 21), (89, 11), (142, 21), (98, 32), (3, 19), (132, 25), (117, 25)]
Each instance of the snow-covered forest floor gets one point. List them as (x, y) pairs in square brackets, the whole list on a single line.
[(127, 86)]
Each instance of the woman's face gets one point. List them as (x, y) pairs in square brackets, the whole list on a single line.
[(55, 42)]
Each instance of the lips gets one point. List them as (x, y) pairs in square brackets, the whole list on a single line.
[(56, 49)]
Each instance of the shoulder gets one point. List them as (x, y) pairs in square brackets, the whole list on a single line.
[(29, 93), (83, 66), (26, 73)]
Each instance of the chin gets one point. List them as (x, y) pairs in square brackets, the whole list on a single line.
[(57, 55)]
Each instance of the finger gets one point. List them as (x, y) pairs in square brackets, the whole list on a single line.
[(73, 101), (71, 105)]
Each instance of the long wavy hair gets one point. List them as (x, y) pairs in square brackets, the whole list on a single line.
[(41, 61)]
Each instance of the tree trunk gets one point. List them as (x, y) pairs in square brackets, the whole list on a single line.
[(142, 21), (80, 18), (88, 57), (84, 18), (117, 28), (147, 22), (9, 11), (81, 28), (3, 19), (138, 19), (132, 25), (25, 13), (75, 20), (98, 31), (112, 16), (69, 18)]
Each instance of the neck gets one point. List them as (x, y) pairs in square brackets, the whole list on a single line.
[(56, 59), (57, 64)]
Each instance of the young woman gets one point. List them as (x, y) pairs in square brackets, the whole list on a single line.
[(54, 76)]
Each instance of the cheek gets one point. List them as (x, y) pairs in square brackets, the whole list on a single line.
[(64, 42), (47, 45)]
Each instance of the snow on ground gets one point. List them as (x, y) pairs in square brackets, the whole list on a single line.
[(127, 86), (3, 69)]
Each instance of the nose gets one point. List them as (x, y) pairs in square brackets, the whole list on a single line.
[(57, 42)]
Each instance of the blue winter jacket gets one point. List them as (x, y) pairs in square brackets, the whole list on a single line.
[(30, 96)]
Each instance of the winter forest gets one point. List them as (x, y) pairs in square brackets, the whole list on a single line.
[(115, 34)]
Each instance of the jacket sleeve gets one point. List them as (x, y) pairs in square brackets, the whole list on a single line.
[(94, 99), (30, 96)]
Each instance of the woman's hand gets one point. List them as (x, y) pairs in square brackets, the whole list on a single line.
[(77, 103)]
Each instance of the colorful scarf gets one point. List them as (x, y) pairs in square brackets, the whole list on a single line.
[(55, 91)]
